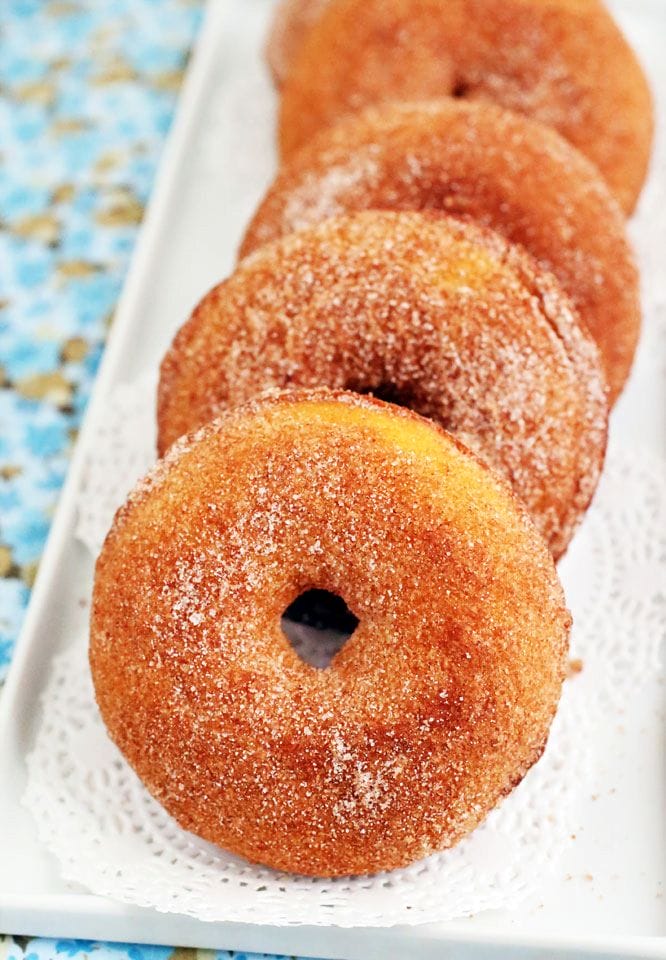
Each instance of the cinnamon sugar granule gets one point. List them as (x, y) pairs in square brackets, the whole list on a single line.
[(575, 667)]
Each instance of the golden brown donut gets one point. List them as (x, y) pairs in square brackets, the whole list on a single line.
[(439, 315), (562, 62), (434, 709), (289, 24), (476, 161)]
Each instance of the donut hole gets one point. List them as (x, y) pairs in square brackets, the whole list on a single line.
[(317, 624), (418, 401), (390, 393), (460, 89)]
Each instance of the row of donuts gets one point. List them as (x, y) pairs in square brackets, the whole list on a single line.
[(443, 254), (530, 403), (564, 63)]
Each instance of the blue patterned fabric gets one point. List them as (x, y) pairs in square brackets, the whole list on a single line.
[(23, 948), (87, 92)]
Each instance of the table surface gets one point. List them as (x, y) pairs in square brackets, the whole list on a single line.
[(87, 94)]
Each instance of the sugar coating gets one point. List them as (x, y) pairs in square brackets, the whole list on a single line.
[(564, 63), (433, 710), (442, 316), (476, 161)]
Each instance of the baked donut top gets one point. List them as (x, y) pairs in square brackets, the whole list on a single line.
[(438, 315), (562, 62)]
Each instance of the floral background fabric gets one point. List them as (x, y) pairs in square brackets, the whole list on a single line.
[(23, 948), (87, 94)]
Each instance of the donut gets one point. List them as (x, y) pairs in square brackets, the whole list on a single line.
[(562, 62), (441, 316), (477, 161), (290, 22), (436, 706)]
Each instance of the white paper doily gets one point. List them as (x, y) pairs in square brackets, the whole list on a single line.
[(111, 836)]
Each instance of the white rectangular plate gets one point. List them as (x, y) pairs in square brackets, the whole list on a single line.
[(606, 895)]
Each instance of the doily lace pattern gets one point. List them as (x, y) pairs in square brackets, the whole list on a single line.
[(109, 835)]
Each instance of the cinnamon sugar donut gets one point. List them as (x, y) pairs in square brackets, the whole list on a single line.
[(290, 22), (562, 62), (434, 709), (476, 161), (441, 316)]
